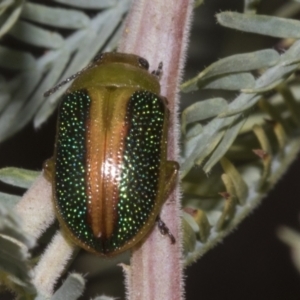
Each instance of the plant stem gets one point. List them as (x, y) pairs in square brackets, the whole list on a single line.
[(35, 208), (158, 30)]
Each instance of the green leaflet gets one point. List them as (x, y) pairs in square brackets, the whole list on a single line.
[(18, 177), (233, 64), (200, 111), (91, 4), (36, 36), (260, 24), (9, 13), (16, 60), (58, 17)]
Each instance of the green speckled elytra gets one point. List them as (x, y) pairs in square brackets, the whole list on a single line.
[(110, 171)]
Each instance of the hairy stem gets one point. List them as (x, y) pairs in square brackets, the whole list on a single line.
[(158, 30)]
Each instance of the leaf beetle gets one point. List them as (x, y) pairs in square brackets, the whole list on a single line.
[(109, 172)]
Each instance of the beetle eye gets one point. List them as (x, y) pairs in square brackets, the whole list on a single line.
[(143, 63)]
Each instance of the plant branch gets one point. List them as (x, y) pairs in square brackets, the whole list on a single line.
[(158, 30)]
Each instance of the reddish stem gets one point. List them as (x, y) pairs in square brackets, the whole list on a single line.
[(158, 30)]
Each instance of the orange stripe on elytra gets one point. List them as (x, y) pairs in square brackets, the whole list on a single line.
[(115, 135), (106, 131), (95, 148)]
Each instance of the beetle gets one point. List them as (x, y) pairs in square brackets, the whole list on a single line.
[(109, 172)]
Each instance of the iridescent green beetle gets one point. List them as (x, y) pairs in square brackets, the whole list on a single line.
[(110, 171)]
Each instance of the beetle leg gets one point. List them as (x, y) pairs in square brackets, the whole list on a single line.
[(48, 168), (157, 73), (166, 102), (172, 168), (164, 229)]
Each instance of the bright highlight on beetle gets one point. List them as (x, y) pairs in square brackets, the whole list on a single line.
[(110, 173)]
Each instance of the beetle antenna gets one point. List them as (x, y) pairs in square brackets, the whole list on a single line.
[(157, 73), (164, 229), (58, 86), (72, 77)]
